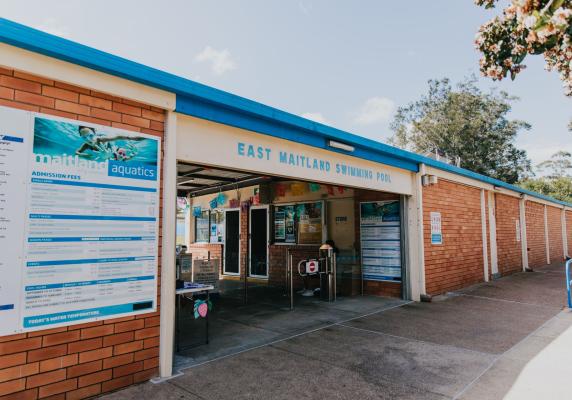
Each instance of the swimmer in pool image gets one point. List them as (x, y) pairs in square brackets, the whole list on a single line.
[(102, 144)]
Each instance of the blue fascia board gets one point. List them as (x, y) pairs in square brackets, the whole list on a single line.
[(231, 117), (213, 104)]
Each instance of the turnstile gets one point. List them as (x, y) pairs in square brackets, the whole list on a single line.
[(324, 266)]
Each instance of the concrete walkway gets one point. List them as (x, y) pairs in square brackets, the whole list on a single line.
[(510, 338)]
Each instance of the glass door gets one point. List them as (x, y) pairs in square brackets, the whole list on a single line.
[(258, 233), (232, 242)]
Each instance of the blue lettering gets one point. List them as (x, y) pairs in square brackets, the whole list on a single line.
[(240, 148), (250, 151), (134, 170)]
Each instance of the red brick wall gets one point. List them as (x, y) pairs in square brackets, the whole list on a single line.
[(556, 249), (535, 234), (80, 360), (458, 262), (509, 251)]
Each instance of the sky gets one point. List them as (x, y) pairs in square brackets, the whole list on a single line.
[(348, 64)]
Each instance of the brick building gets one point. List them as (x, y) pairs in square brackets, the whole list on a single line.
[(452, 228)]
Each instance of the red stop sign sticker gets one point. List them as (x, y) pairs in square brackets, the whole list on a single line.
[(311, 267)]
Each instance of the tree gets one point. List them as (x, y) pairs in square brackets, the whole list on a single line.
[(464, 123), (558, 182), (558, 165), (558, 188), (527, 27)]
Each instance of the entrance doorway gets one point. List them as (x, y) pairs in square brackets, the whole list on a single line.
[(267, 227), (259, 241), (232, 242)]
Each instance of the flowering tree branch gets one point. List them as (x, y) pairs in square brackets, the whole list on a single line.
[(527, 27)]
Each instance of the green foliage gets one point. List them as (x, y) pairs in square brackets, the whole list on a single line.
[(558, 188), (527, 27), (557, 183), (467, 123)]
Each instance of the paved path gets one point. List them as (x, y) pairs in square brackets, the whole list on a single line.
[(507, 339)]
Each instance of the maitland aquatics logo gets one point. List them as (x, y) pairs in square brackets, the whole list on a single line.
[(120, 169)]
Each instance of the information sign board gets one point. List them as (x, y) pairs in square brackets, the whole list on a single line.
[(80, 207)]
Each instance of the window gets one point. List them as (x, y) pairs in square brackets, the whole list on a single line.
[(301, 223), (181, 240), (182, 212), (202, 227), (217, 226), (209, 226)]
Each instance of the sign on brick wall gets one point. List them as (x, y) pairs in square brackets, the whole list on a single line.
[(380, 239), (436, 233), (79, 213)]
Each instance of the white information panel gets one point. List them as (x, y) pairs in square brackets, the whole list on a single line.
[(79, 206), (436, 230), (380, 238)]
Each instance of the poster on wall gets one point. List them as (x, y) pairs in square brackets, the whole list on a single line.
[(88, 215), (290, 224), (380, 233), (279, 225), (436, 230), (284, 224), (14, 152), (309, 222), (300, 223)]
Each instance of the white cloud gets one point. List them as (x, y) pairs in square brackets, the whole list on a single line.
[(50, 25), (375, 110), (315, 116), (221, 61)]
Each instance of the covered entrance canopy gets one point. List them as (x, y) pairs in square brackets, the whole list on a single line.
[(252, 205)]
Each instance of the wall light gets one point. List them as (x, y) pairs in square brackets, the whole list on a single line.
[(341, 146)]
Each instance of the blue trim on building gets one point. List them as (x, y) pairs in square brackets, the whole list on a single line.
[(216, 105), (311, 137)]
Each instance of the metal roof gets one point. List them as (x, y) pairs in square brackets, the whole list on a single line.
[(216, 105)]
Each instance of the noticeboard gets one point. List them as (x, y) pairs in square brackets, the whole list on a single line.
[(300, 223), (80, 209), (380, 238)]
